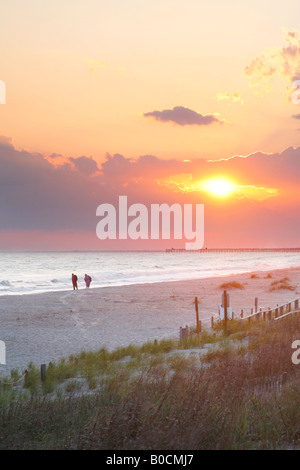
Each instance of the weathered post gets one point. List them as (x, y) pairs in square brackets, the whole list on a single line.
[(281, 311), (43, 372), (184, 333), (225, 310), (256, 304), (269, 314), (197, 316)]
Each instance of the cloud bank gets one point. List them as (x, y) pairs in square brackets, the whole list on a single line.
[(37, 194)]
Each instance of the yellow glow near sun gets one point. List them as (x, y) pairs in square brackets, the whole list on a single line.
[(219, 187)]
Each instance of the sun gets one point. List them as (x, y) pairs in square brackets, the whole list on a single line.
[(219, 187)]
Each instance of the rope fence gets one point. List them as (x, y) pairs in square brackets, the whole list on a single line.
[(276, 313), (16, 382)]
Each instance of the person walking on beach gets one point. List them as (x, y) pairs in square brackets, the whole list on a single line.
[(88, 280), (74, 281)]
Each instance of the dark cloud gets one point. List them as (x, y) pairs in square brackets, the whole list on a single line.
[(296, 116), (5, 141), (117, 167), (38, 194), (85, 165), (55, 155), (182, 116), (258, 168)]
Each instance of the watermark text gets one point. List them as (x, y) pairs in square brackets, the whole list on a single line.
[(161, 222), (296, 354), (2, 92), (2, 352)]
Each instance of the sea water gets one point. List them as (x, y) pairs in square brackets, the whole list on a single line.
[(35, 272)]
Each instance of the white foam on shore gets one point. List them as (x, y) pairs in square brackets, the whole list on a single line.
[(27, 273)]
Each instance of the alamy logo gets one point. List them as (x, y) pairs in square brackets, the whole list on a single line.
[(2, 352), (2, 92), (159, 226), (296, 354)]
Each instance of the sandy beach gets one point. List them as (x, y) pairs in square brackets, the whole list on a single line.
[(46, 327)]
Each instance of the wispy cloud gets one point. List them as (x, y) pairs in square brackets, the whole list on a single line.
[(183, 117), (230, 98), (96, 64), (283, 62)]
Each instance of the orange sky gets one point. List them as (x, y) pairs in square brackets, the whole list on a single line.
[(187, 82)]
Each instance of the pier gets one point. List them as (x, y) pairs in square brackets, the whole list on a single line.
[(235, 250)]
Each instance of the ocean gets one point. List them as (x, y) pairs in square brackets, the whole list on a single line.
[(36, 272)]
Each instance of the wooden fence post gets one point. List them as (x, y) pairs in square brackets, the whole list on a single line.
[(197, 316), (184, 333), (43, 372), (281, 310), (225, 310), (269, 314)]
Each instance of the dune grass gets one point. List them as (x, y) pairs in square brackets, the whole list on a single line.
[(155, 397), (282, 284), (232, 285)]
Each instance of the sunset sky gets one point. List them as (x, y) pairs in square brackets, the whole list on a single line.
[(164, 101)]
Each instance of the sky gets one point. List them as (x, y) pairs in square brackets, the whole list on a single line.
[(166, 101)]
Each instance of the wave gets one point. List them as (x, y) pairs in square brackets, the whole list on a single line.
[(47, 272)]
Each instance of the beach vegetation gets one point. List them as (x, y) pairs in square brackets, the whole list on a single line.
[(282, 284), (232, 285), (238, 390)]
